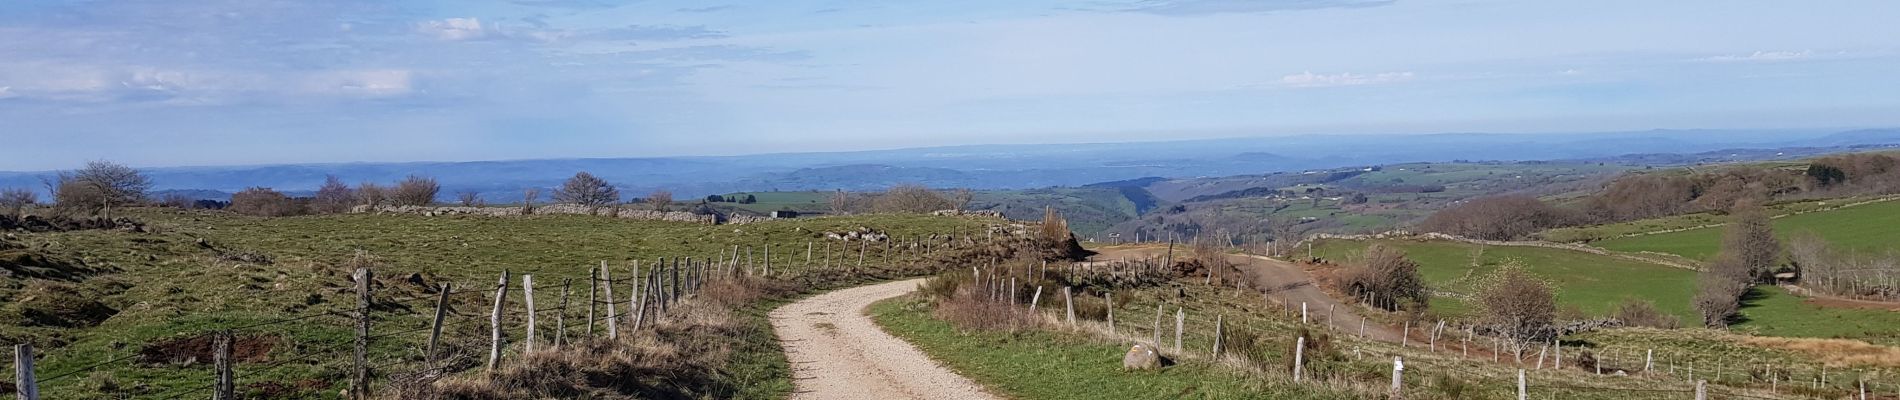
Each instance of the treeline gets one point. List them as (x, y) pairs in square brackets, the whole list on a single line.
[(1647, 195)]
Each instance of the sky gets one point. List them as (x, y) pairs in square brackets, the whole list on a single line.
[(234, 82)]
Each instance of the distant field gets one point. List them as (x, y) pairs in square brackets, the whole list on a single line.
[(1612, 231), (1089, 209), (1596, 284), (809, 201), (1774, 312), (1867, 228)]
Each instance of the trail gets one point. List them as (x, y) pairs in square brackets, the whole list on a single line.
[(1284, 282), (838, 352)]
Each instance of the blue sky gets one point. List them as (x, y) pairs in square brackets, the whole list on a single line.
[(217, 82)]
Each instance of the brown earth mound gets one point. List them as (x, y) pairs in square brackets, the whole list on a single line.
[(198, 349)]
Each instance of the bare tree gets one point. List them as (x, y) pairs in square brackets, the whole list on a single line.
[(14, 201), (99, 187), (960, 199), (333, 197), (1719, 290), (415, 191), (263, 202), (1053, 226), (1750, 238), (840, 202), (371, 194), (660, 199), (1518, 305), (587, 190), (469, 198), (1499, 218), (910, 199)]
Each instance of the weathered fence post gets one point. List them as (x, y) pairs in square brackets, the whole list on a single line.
[(808, 253), (613, 315), (593, 298), (1405, 335), (1220, 330), (1362, 327), (861, 245), (1299, 358), (527, 294), (1649, 360), (224, 389), (435, 327), (1702, 391), (1034, 300), (560, 320), (673, 293), (359, 379), (1108, 303), (1157, 326), (1398, 377), (23, 380), (1180, 323), (494, 321), (1303, 313), (1068, 302), (1522, 392), (768, 261)]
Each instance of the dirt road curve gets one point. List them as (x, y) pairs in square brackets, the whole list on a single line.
[(837, 352), (1284, 282)]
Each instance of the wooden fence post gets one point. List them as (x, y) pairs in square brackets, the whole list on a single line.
[(593, 298), (768, 261), (560, 320), (1220, 331), (527, 294), (494, 321), (224, 389), (673, 294), (634, 291), (1303, 313), (1180, 323), (1299, 358), (359, 380), (1522, 392), (861, 245), (23, 380), (1068, 302), (1157, 325), (613, 315), (435, 327), (1035, 300), (1108, 303), (1405, 335), (808, 253), (1702, 391), (1398, 377), (1649, 360)]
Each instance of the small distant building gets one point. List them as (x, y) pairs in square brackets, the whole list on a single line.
[(784, 214)]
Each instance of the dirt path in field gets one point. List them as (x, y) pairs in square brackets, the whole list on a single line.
[(838, 352), (1282, 281)]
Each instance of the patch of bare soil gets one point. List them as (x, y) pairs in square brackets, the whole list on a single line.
[(198, 349)]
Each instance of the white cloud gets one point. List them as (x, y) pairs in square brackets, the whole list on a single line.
[(365, 83), (1762, 56), (453, 28), (1310, 79), (6, 92)]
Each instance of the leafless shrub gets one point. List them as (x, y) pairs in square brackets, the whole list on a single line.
[(263, 202), (98, 188), (1517, 305), (528, 197), (14, 201), (910, 199), (587, 190), (1635, 312), (415, 191), (333, 197), (1388, 280), (371, 194), (839, 202), (469, 198), (970, 310), (660, 199), (1719, 292)]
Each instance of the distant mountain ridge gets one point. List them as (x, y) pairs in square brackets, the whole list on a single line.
[(1002, 166)]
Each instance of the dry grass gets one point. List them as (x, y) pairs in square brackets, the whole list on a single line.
[(1834, 352), (970, 310), (679, 358)]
